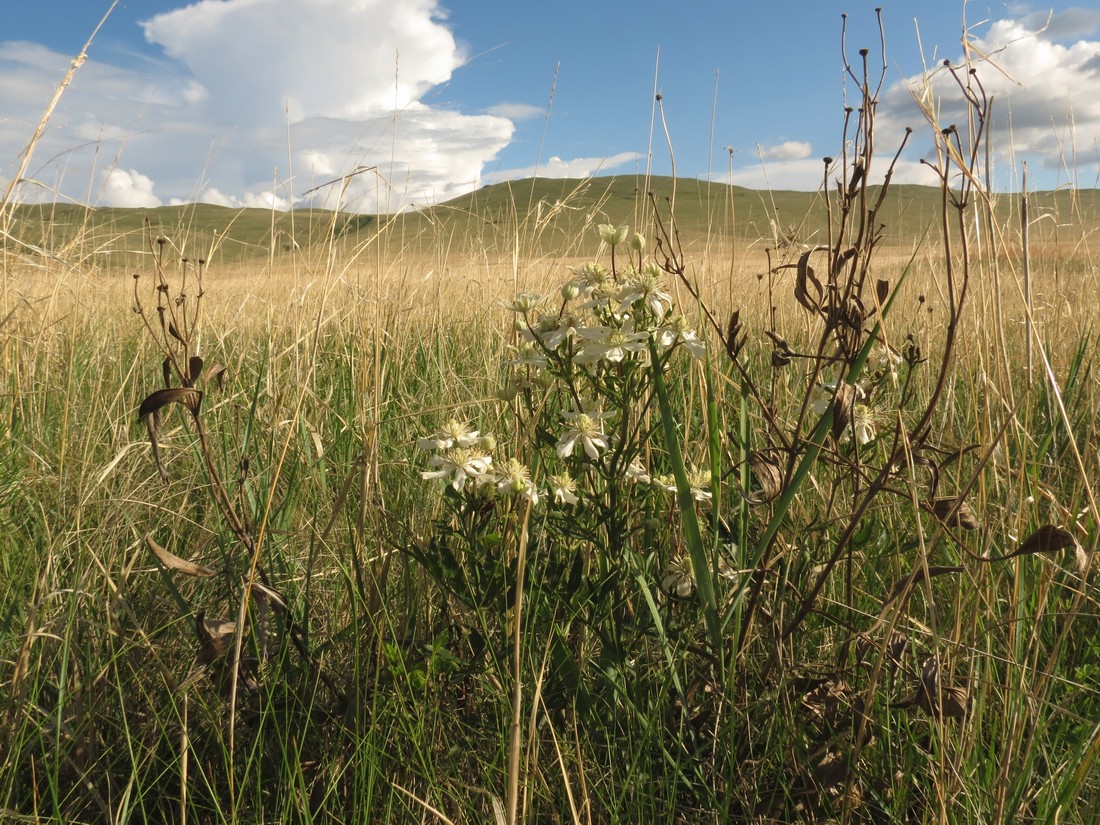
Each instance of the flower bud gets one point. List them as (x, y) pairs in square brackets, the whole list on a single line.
[(613, 235), (570, 290), (637, 243)]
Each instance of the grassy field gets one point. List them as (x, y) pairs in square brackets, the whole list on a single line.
[(309, 518)]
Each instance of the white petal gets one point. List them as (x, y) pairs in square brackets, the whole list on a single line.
[(566, 443)]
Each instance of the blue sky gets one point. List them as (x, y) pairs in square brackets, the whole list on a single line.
[(258, 102)]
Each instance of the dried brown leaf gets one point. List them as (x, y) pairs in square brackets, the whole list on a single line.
[(174, 562), (194, 370), (214, 638), (269, 597), (769, 475), (935, 699), (896, 646), (1047, 539), (734, 340), (152, 424), (882, 290), (215, 372), (832, 769), (842, 408), (806, 278), (188, 396), (963, 516)]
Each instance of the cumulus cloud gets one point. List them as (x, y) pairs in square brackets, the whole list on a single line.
[(317, 58), (1042, 74), (788, 150), (558, 168), (128, 188), (258, 102)]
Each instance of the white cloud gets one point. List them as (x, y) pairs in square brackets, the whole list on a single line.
[(557, 168), (1045, 83), (1046, 96), (315, 58), (788, 150), (515, 111), (127, 188), (261, 101), (800, 174)]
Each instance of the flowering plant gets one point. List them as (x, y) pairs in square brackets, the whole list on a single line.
[(586, 481)]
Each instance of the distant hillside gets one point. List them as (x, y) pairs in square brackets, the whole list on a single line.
[(541, 216)]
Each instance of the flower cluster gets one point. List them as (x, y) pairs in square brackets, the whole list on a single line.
[(579, 378)]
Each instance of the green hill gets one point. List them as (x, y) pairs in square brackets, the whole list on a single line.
[(538, 216)]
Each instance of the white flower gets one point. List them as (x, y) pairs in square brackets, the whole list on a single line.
[(695, 346), (698, 482), (551, 329), (515, 479), (636, 472), (680, 577), (453, 434), (585, 428), (678, 332), (524, 302), (666, 482), (613, 235), (821, 397), (645, 286), (610, 343), (863, 423), (527, 354), (590, 278), (460, 465), (564, 488)]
